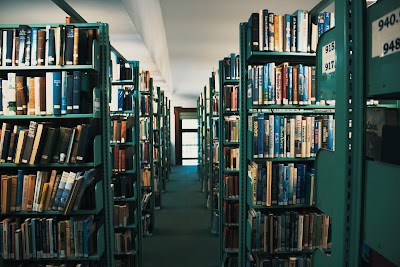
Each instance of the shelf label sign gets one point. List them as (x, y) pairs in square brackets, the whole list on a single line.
[(386, 34), (329, 58)]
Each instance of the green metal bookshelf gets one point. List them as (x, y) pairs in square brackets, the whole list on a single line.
[(146, 160), (93, 114), (126, 179), (156, 153)]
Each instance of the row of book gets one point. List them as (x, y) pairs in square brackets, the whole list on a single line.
[(120, 70), (121, 215), (37, 143), (298, 32), (288, 136), (144, 81), (147, 228), (231, 157), (123, 242), (232, 125), (231, 238), (122, 98), (231, 67), (33, 46), (257, 260), (58, 264), (121, 131), (126, 262), (231, 98), (122, 187), (231, 212), (54, 93), (47, 238), (289, 231), (280, 184), (43, 191), (282, 84), (122, 158), (215, 125), (231, 186)]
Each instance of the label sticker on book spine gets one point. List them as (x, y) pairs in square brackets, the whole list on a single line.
[(329, 58), (386, 34)]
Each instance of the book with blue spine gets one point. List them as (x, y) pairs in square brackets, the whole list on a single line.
[(299, 36), (305, 84), (59, 192), (293, 28), (266, 40), (120, 99), (34, 43), (258, 239), (281, 193), (265, 85), (261, 134), (299, 182), (76, 95), (287, 33), (20, 181), (327, 21), (271, 31), (67, 190), (233, 74), (320, 23), (285, 184), (57, 94), (20, 58), (281, 136), (301, 84), (87, 222), (64, 87), (289, 84), (276, 135), (290, 186), (271, 83), (266, 137), (330, 132), (69, 93)]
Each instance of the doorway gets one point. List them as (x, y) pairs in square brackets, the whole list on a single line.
[(186, 136)]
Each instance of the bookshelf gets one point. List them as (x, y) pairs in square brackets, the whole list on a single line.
[(156, 132), (380, 170), (88, 164), (146, 152), (168, 136), (230, 188), (163, 140), (214, 152), (124, 144)]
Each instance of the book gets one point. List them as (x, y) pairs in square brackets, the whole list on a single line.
[(29, 142), (48, 148)]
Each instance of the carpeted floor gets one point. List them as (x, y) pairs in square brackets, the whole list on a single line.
[(182, 237)]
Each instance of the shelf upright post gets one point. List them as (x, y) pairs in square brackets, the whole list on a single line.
[(222, 164)]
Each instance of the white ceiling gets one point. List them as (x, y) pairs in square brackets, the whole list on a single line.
[(179, 41)]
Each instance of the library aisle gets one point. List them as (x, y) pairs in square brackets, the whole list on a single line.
[(182, 237)]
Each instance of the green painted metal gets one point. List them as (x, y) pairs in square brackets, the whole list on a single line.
[(383, 69), (381, 231)]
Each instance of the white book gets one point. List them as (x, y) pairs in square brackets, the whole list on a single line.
[(300, 233), (278, 85), (292, 137), (271, 136), (14, 57), (260, 30), (308, 135), (11, 93), (332, 20), (4, 84), (24, 191), (49, 93), (64, 86), (34, 40), (37, 95), (38, 188), (314, 37)]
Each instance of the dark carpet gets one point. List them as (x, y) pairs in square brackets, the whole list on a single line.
[(182, 237)]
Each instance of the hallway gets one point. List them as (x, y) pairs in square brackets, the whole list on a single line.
[(182, 237)]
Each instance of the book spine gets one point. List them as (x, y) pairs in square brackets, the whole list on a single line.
[(76, 96), (254, 32), (330, 132), (271, 32), (261, 134), (327, 21), (20, 181), (265, 74), (271, 141), (51, 51), (287, 44), (281, 136), (34, 47), (64, 88), (49, 93), (75, 55), (266, 29), (57, 93), (293, 27), (69, 93), (276, 135)]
